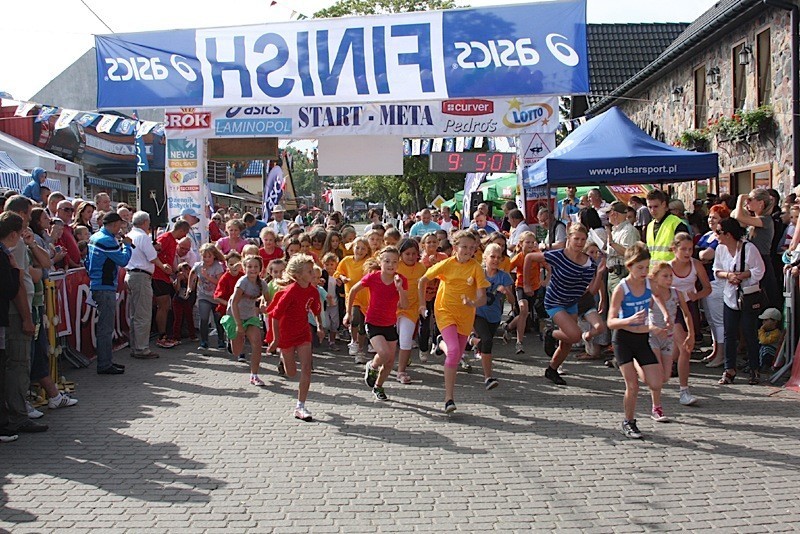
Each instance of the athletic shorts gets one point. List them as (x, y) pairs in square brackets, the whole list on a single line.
[(664, 344), (162, 288), (586, 304), (572, 309), (530, 299), (485, 331), (389, 333), (629, 346)]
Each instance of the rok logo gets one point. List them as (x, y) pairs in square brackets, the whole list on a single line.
[(521, 115), (188, 119), (468, 107)]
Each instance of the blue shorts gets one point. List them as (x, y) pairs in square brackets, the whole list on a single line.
[(572, 309)]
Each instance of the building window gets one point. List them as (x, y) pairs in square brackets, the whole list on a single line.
[(700, 103), (764, 68), (739, 79)]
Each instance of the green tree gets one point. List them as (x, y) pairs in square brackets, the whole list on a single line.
[(345, 8), (304, 174), (417, 187)]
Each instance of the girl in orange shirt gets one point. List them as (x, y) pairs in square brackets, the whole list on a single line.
[(462, 289), (407, 317), (527, 244), (429, 256), (350, 271)]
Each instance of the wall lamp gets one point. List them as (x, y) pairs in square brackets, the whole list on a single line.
[(744, 55), (677, 94), (712, 76)]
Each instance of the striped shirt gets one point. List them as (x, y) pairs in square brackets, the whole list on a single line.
[(569, 280)]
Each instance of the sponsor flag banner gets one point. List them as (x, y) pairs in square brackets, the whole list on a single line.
[(406, 147), (437, 144), (106, 123), (425, 149), (459, 144), (23, 108), (479, 142), (416, 147), (499, 51), (145, 127), (450, 144), (468, 142), (126, 126), (472, 181), (66, 117), (86, 118), (45, 113)]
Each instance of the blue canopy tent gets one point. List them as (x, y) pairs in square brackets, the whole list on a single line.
[(610, 149)]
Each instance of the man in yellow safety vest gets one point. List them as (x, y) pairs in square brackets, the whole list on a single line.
[(662, 229)]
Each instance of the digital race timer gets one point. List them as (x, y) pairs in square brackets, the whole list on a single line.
[(473, 162)]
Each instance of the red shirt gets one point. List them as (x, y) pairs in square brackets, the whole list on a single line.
[(291, 307), (167, 255), (268, 257), (68, 243), (225, 287), (383, 299), (214, 232)]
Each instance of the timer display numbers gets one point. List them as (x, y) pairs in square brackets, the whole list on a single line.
[(473, 162)]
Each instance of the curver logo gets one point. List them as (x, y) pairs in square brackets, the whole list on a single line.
[(468, 107)]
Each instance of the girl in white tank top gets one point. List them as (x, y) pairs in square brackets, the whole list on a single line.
[(687, 271)]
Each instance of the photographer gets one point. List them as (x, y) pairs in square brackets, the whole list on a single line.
[(569, 207)]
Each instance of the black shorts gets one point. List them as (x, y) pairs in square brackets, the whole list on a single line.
[(389, 333), (358, 320), (681, 320), (485, 331), (162, 288), (530, 299), (629, 346)]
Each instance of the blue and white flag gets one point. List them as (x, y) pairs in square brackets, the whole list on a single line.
[(45, 113)]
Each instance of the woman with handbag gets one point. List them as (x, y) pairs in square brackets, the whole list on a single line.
[(754, 211), (740, 265)]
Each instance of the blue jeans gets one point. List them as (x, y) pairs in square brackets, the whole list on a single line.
[(746, 323), (104, 328)]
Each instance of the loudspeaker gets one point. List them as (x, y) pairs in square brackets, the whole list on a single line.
[(152, 197), (474, 199)]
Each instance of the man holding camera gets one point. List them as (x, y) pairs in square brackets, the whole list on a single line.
[(568, 208), (106, 256)]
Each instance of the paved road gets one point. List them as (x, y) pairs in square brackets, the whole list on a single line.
[(183, 444)]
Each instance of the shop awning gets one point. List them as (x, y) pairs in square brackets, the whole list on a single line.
[(110, 184), (12, 176), (28, 156)]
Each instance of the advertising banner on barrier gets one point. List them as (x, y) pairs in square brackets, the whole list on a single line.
[(454, 117), (185, 184), (527, 49), (76, 319)]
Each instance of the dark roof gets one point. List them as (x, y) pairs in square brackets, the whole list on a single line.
[(618, 51), (698, 32)]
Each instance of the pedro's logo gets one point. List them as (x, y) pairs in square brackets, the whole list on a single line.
[(521, 115)]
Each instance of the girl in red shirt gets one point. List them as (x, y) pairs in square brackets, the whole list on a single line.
[(269, 248), (228, 280), (289, 317), (387, 289)]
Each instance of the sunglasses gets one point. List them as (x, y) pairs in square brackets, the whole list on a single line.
[(68, 210)]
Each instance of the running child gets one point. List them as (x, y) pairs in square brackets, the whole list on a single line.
[(527, 244), (687, 273), (203, 279), (289, 312), (349, 271), (224, 290), (333, 243), (182, 304), (335, 292), (274, 275), (243, 319), (462, 289), (488, 316), (663, 316), (387, 293), (430, 256), (269, 247), (411, 268), (628, 318)]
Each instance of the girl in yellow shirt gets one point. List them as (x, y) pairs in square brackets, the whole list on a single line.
[(350, 271), (462, 289)]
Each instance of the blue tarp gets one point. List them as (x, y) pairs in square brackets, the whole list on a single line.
[(611, 149)]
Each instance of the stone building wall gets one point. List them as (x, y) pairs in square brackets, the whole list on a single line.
[(653, 106)]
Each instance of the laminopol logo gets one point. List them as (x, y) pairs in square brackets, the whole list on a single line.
[(468, 107)]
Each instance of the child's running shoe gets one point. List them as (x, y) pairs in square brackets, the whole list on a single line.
[(370, 375), (449, 406), (379, 393), (303, 414), (256, 381), (463, 365)]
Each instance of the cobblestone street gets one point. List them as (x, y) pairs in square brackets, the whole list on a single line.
[(183, 443)]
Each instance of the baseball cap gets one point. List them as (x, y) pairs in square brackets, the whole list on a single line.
[(771, 313), (111, 217), (619, 207), (189, 212)]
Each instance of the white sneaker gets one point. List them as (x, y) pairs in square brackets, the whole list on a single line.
[(33, 413), (352, 348), (302, 414), (361, 358), (61, 401), (687, 399)]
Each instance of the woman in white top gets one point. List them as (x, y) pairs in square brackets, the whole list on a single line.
[(728, 267), (687, 272)]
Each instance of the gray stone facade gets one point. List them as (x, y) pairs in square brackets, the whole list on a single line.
[(652, 105)]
